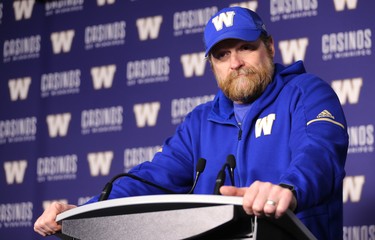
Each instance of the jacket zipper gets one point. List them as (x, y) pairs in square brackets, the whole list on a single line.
[(239, 132)]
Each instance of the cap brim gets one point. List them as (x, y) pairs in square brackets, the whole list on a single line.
[(244, 34)]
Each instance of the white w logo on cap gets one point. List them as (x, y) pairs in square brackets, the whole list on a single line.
[(224, 18)]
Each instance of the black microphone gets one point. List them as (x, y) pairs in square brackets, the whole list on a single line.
[(108, 187), (232, 165), (220, 179), (199, 169)]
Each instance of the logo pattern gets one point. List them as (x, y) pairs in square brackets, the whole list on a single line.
[(89, 89)]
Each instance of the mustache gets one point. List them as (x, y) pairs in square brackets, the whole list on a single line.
[(243, 71)]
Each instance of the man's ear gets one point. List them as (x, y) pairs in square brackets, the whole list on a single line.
[(272, 47)]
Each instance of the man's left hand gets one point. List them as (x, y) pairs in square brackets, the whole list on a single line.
[(263, 198)]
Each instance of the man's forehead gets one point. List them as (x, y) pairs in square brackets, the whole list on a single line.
[(229, 43)]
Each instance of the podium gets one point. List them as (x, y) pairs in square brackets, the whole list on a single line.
[(175, 217)]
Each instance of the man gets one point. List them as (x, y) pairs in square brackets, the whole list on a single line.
[(285, 127)]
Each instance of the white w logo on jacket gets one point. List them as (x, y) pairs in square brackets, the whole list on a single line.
[(264, 125)]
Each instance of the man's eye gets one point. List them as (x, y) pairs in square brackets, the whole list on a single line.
[(247, 47), (219, 55)]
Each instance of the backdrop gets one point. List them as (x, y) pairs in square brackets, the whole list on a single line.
[(89, 89)]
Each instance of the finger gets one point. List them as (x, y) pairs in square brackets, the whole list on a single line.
[(278, 201), (260, 207), (232, 191), (249, 198), (247, 194), (39, 231), (272, 200), (48, 223), (52, 227), (46, 226), (286, 198), (270, 207)]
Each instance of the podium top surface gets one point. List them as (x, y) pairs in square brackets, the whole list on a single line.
[(170, 200), (156, 203)]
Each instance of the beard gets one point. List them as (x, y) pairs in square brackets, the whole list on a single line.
[(246, 84)]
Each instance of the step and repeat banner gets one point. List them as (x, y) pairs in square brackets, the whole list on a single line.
[(90, 88)]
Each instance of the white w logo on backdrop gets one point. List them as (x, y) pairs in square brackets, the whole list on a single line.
[(104, 2), (19, 88), (103, 76), (149, 27), (58, 124), (146, 113), (193, 63), (62, 41), (46, 203), (348, 90), (100, 163), (23, 9), (293, 50), (340, 4), (352, 188), (252, 5), (15, 171), (264, 125), (223, 18)]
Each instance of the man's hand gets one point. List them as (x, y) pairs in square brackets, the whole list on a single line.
[(263, 198), (46, 224)]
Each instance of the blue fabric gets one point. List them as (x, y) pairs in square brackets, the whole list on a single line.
[(295, 133), (240, 111)]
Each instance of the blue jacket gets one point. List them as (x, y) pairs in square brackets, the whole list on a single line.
[(295, 133)]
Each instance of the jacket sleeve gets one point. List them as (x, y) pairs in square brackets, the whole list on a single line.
[(318, 142), (172, 167)]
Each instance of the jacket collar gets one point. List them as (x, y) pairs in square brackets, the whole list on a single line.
[(222, 107)]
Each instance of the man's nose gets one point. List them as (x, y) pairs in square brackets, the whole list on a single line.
[(236, 60)]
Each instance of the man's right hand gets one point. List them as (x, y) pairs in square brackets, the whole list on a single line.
[(46, 224)]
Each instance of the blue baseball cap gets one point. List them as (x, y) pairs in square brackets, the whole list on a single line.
[(233, 23)]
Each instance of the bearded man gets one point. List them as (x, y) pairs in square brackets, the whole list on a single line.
[(285, 128)]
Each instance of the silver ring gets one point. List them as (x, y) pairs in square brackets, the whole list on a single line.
[(271, 202)]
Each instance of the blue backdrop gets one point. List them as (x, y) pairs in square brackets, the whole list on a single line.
[(89, 89)]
